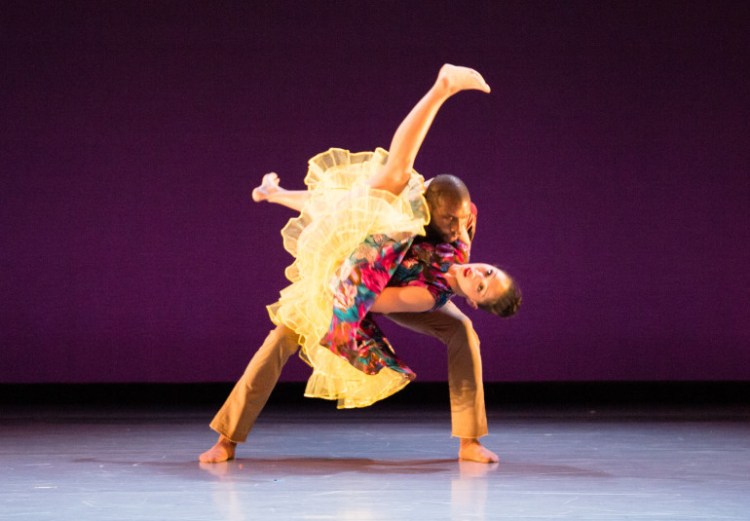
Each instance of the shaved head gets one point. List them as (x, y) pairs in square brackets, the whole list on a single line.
[(450, 208), (448, 188)]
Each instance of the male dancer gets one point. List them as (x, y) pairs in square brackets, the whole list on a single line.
[(451, 218)]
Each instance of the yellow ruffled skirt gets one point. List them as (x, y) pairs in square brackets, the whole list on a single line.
[(342, 211)]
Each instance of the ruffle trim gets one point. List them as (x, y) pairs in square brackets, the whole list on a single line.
[(341, 212)]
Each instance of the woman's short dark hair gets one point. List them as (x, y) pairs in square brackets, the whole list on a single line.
[(506, 304)]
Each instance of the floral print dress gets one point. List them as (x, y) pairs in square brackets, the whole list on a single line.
[(381, 262), (349, 242)]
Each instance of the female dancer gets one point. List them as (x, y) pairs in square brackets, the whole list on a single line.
[(352, 248)]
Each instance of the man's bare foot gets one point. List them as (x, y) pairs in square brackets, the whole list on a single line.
[(471, 450), (223, 450), (456, 78), (269, 185)]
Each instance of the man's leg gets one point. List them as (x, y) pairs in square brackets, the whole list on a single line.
[(468, 416), (236, 418)]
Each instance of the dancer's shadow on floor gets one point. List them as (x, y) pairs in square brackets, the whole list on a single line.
[(274, 469), (312, 466), (324, 466), (280, 467)]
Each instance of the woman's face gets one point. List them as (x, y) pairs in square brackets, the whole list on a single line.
[(482, 282)]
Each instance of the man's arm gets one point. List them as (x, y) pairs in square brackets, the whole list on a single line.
[(471, 226)]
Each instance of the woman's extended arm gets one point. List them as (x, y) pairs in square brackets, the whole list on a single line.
[(403, 299), (410, 134)]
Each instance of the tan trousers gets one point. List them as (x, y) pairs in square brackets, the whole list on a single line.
[(448, 324)]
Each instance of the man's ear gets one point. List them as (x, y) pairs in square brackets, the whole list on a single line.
[(472, 304)]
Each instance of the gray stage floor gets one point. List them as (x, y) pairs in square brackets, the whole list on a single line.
[(387, 464)]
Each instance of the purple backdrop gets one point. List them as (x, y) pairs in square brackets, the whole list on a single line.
[(609, 165)]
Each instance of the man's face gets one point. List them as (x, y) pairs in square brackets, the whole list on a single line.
[(450, 218)]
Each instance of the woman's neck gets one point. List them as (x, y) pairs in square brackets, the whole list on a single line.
[(451, 276)]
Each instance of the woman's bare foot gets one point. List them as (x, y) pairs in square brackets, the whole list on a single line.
[(455, 79), (268, 186), (471, 450), (223, 450)]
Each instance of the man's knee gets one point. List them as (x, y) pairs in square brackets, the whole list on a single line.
[(459, 328), (280, 343), (286, 339)]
